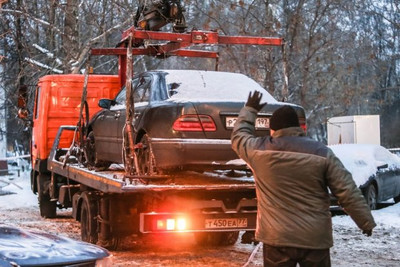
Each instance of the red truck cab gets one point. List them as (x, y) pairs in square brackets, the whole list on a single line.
[(57, 102)]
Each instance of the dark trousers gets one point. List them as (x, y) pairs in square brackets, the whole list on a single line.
[(289, 257)]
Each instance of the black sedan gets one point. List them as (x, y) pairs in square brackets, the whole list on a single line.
[(375, 170), (183, 119), (32, 248)]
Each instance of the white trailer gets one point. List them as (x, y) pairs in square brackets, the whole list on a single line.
[(357, 129)]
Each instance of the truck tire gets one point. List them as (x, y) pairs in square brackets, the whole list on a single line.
[(88, 219), (229, 238), (48, 208), (216, 238)]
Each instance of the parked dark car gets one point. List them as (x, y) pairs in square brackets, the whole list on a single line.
[(375, 170), (183, 119), (32, 248)]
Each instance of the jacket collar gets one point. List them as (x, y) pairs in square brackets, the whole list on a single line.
[(291, 131)]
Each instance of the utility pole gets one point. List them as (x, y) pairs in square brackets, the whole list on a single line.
[(3, 124)]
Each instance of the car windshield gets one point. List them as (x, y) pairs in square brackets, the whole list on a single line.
[(200, 86)]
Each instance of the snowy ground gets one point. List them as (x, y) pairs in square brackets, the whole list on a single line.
[(351, 248)]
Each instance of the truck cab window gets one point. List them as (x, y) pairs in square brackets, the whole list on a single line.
[(37, 100)]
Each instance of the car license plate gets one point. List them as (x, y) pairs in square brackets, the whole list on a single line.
[(261, 123), (226, 223)]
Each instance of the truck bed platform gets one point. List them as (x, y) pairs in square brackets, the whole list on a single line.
[(115, 180)]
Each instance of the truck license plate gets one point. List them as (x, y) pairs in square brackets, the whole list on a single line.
[(261, 123), (226, 223)]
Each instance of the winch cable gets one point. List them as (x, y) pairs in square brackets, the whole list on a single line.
[(253, 254)]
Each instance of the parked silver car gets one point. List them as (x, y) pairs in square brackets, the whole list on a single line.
[(33, 248), (375, 170)]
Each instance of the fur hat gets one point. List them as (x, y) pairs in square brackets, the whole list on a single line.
[(284, 117)]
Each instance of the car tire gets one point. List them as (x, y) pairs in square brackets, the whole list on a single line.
[(90, 153), (396, 199), (370, 195), (87, 219), (48, 208), (145, 157)]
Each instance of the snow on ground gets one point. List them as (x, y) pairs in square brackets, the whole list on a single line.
[(17, 192), (351, 248)]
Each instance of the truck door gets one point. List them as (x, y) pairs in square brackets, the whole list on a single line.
[(37, 127)]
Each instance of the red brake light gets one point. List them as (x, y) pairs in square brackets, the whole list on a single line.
[(304, 127), (194, 123)]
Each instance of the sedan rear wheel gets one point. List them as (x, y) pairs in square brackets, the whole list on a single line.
[(90, 154), (145, 157), (371, 196)]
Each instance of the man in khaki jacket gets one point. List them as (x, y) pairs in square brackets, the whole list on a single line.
[(292, 174)]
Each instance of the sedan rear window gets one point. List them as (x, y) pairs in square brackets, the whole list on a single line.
[(212, 86)]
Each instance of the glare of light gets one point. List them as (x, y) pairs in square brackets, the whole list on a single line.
[(181, 224), (160, 225), (170, 224)]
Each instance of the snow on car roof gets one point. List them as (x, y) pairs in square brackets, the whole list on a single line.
[(362, 160), (214, 86)]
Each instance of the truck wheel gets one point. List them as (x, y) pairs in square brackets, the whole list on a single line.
[(371, 196), (145, 157), (229, 238), (217, 238), (112, 244), (90, 151), (88, 219), (46, 206)]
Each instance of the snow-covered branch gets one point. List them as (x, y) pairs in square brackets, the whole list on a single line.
[(37, 63), (18, 12), (84, 53), (47, 52)]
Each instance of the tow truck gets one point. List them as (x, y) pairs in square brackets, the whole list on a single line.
[(121, 202)]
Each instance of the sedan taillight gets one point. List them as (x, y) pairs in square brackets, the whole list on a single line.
[(304, 126), (194, 123)]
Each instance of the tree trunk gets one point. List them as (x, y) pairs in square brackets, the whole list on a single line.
[(70, 36)]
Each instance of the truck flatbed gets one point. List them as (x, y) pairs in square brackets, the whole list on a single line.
[(115, 180)]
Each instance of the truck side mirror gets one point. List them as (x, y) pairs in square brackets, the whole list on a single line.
[(383, 166), (23, 113), (106, 103), (22, 97)]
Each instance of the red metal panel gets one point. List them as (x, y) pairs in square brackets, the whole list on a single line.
[(108, 51), (122, 69), (250, 40), (195, 53), (175, 44), (201, 37)]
